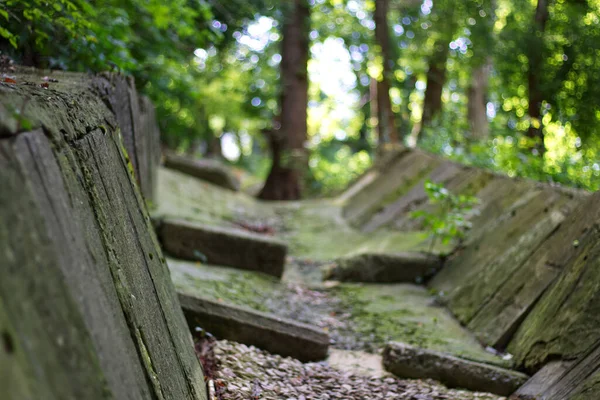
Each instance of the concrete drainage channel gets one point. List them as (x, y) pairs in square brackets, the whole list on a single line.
[(303, 342), (105, 319), (495, 291)]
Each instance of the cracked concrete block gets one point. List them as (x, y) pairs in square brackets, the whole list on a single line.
[(209, 170), (385, 267), (265, 331), (406, 361), (223, 246)]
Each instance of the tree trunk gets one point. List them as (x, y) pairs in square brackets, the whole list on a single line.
[(214, 149), (287, 138), (536, 96), (436, 78), (386, 127), (477, 107)]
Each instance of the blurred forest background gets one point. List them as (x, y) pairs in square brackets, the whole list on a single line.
[(322, 86)]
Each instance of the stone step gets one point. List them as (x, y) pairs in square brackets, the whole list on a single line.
[(385, 268), (222, 246), (208, 170), (265, 331), (412, 362)]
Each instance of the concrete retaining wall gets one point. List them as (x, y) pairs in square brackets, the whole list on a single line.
[(87, 307)]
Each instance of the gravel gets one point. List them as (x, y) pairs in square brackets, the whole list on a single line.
[(244, 372)]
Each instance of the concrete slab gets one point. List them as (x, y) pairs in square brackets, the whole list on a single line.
[(263, 330), (406, 361), (209, 170), (411, 267), (222, 246)]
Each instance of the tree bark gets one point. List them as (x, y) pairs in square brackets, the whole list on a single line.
[(288, 137), (386, 126), (477, 107), (436, 78), (214, 148), (536, 95)]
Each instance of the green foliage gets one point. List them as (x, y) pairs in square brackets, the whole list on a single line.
[(510, 154), (334, 166), (211, 68), (446, 218), (152, 40)]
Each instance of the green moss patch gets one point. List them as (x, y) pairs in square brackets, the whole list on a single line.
[(406, 313), (316, 230)]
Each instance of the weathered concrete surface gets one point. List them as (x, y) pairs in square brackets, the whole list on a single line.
[(564, 324), (380, 313), (406, 361), (223, 246), (137, 123), (209, 170), (302, 225), (542, 381), (497, 320), (473, 276), (396, 178), (357, 316), (413, 198), (87, 308), (385, 267), (182, 196), (578, 379), (265, 331), (469, 181)]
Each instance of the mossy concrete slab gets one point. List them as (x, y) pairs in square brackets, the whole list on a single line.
[(313, 229), (222, 246), (405, 313), (470, 279), (413, 198), (406, 361), (563, 324), (577, 379), (498, 196), (316, 230), (264, 330), (86, 297), (250, 289), (358, 317), (208, 170), (185, 197), (394, 181), (385, 267), (46, 348), (497, 320)]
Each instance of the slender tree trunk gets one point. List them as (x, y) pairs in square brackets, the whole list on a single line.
[(373, 107), (477, 106), (436, 79), (214, 149), (536, 95), (409, 87), (287, 143), (386, 126)]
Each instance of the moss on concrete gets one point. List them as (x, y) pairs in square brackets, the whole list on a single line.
[(589, 390), (316, 230), (313, 229), (357, 317), (183, 196), (241, 288), (564, 322), (61, 149), (405, 313)]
